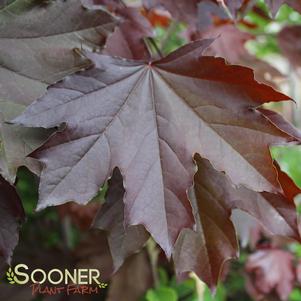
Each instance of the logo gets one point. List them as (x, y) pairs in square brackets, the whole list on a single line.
[(10, 275), (56, 281)]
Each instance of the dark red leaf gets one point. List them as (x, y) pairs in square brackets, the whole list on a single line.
[(38, 47), (149, 120), (11, 215), (181, 10), (208, 12), (270, 270), (122, 241), (157, 17), (132, 280), (205, 250), (291, 190), (289, 39), (93, 251), (37, 41), (234, 6), (128, 38), (80, 215), (281, 123), (226, 36)]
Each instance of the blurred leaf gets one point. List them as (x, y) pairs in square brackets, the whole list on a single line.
[(220, 294), (163, 276), (27, 187), (170, 38), (269, 271), (295, 295), (132, 280), (184, 289), (162, 294), (289, 40), (127, 39)]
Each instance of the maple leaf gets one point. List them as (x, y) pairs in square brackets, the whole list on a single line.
[(180, 10), (247, 228), (234, 6), (12, 214), (37, 42), (17, 142), (289, 39), (122, 242), (81, 215), (290, 189), (157, 17), (263, 71), (270, 270), (93, 250), (149, 119), (198, 14), (127, 40), (36, 49), (274, 5), (208, 12), (206, 249), (241, 6), (132, 280), (281, 123), (228, 35)]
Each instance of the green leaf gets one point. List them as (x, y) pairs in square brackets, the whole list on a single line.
[(163, 277), (161, 294), (289, 159), (185, 288), (295, 295), (219, 296)]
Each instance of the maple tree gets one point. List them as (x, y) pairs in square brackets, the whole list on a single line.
[(182, 138)]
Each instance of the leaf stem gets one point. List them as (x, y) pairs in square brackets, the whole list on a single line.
[(66, 231), (153, 254), (155, 46)]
